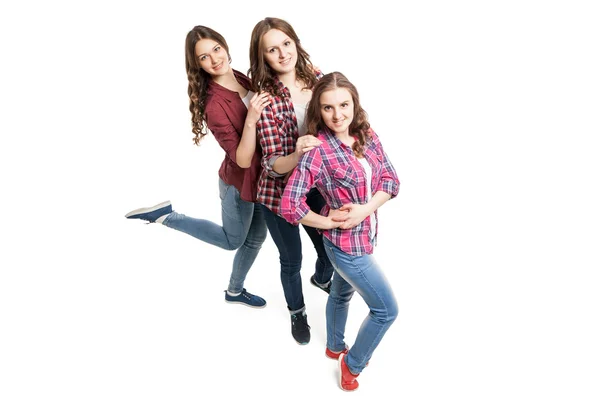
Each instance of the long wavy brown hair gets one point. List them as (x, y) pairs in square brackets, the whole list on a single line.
[(262, 75), (359, 127), (198, 78)]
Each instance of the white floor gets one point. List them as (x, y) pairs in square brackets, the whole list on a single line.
[(489, 113)]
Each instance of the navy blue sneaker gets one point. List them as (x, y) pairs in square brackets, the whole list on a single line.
[(247, 299), (326, 287), (300, 328), (151, 214)]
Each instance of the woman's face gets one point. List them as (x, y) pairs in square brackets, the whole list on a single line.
[(337, 109), (212, 57), (280, 51)]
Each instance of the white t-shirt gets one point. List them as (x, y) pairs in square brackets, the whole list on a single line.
[(300, 110), (368, 175), (248, 97)]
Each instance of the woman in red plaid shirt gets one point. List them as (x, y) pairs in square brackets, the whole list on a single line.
[(280, 66), (354, 174)]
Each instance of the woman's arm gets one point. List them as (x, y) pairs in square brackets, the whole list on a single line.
[(247, 146)]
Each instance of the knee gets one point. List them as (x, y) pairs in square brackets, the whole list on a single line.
[(234, 242), (392, 311)]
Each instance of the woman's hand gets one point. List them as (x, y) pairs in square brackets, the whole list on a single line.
[(356, 213), (338, 215), (306, 143), (258, 102)]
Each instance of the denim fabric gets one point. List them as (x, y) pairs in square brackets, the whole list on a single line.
[(287, 239), (243, 229), (363, 275)]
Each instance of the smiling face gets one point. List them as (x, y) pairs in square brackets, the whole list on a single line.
[(212, 57), (279, 51), (337, 109)]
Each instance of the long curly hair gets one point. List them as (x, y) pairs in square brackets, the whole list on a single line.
[(262, 75), (198, 78), (359, 127)]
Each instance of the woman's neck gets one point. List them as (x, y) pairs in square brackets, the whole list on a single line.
[(228, 80), (288, 79), (345, 137)]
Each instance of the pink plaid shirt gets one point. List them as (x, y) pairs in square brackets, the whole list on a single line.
[(277, 130), (341, 179)]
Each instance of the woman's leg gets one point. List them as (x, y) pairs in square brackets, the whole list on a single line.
[(236, 216), (365, 276), (287, 239), (323, 267), (246, 254)]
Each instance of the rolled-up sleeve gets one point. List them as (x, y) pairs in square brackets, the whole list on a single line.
[(388, 182), (293, 202), (270, 141)]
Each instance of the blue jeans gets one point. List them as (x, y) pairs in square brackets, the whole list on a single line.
[(287, 239), (243, 229), (361, 274)]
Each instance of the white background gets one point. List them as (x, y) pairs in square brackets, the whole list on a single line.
[(488, 110)]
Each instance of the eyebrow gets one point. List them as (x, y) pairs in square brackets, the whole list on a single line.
[(200, 55), (285, 40), (331, 105)]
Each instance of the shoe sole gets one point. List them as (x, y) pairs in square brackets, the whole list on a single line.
[(244, 304), (317, 286), (144, 210)]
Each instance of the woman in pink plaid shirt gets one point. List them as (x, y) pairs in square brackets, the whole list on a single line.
[(354, 174), (281, 67)]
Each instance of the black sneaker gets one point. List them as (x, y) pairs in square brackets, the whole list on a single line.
[(300, 328), (326, 287)]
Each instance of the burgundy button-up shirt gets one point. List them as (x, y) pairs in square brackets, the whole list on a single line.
[(333, 168), (225, 115)]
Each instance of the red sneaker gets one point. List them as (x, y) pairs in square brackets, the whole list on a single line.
[(348, 380), (333, 355)]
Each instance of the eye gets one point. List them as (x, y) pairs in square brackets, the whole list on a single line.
[(217, 49), (287, 43), (344, 105), (271, 50), (202, 58), (327, 108)]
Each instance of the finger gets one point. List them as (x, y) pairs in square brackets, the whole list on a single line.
[(346, 207), (340, 218)]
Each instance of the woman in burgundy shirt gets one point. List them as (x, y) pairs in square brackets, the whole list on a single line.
[(221, 100)]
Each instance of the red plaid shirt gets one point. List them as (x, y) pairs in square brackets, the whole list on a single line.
[(341, 179), (277, 131)]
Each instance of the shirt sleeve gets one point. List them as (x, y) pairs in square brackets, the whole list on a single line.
[(293, 202), (270, 141), (222, 129), (388, 182)]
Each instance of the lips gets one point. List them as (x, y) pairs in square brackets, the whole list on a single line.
[(218, 66)]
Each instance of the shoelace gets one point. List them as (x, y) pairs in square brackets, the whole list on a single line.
[(301, 320)]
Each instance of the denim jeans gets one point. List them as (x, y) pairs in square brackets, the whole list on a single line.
[(243, 229), (287, 239), (361, 274)]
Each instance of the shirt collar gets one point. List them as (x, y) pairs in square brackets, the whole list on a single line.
[(229, 95)]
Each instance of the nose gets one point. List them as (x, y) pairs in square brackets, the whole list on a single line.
[(336, 113), (281, 53)]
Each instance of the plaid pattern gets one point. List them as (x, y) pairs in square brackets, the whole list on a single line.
[(277, 131), (341, 179)]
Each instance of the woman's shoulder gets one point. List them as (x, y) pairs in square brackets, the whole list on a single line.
[(242, 79)]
